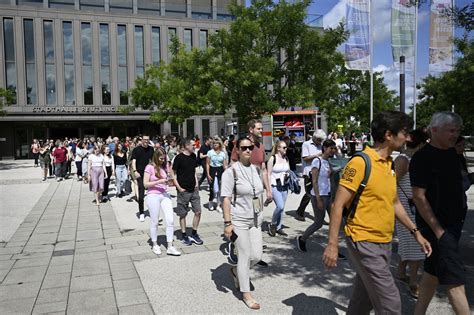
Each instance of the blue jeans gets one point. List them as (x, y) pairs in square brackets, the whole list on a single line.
[(280, 199), (120, 177)]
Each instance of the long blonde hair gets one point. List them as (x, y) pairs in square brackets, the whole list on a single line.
[(275, 147), (159, 165)]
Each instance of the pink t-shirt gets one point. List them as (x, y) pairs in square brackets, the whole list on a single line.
[(159, 188)]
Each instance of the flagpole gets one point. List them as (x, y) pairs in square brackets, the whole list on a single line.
[(371, 64), (414, 64)]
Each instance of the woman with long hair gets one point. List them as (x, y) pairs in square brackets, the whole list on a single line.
[(242, 188), (97, 173), (45, 159), (216, 163), (120, 162), (278, 168), (155, 179), (110, 169)]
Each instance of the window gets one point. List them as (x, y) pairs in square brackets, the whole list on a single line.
[(155, 46), (203, 39), (176, 8), (30, 2), (50, 67), (201, 9), (122, 63), (139, 58), (105, 63), (148, 7), (92, 5), (30, 63), (68, 48), (86, 47), (10, 66), (188, 39), (174, 129), (171, 34), (223, 12), (121, 6), (62, 4), (189, 128), (205, 128)]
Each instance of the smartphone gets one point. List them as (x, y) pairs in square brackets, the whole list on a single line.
[(233, 237)]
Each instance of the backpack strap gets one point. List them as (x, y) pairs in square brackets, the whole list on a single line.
[(349, 213), (235, 185)]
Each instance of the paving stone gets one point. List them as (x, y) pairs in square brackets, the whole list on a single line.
[(17, 243), (193, 249), (119, 259), (32, 262), (3, 274), (142, 309), (124, 239), (30, 274), (20, 306), (89, 235), (123, 266), (213, 246), (124, 245), (56, 280), (6, 264), (99, 248), (89, 256), (149, 255), (121, 275), (52, 295), (38, 248), (92, 243), (63, 245), (31, 255), (93, 267), (61, 260), (91, 282), (60, 268), (10, 250), (66, 237), (5, 257), (131, 297), (16, 291), (127, 284), (43, 239), (50, 308), (92, 302)]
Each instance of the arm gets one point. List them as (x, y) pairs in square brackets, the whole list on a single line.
[(266, 183), (208, 168), (403, 218), (270, 168), (113, 166), (401, 167), (227, 217), (225, 162), (314, 180), (104, 168), (424, 209), (89, 167), (343, 195), (134, 168), (175, 181)]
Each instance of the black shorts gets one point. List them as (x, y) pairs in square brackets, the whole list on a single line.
[(445, 261)]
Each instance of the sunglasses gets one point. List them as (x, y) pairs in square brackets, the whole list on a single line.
[(246, 147)]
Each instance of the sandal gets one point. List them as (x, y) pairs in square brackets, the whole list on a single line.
[(252, 304), (234, 276), (414, 291)]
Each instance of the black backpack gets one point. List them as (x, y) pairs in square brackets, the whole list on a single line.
[(348, 213)]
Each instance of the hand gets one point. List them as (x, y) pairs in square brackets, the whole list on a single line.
[(425, 245), (137, 175), (330, 256), (228, 231), (319, 203), (209, 179), (269, 196), (181, 189)]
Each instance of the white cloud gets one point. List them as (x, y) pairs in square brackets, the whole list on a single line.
[(336, 15)]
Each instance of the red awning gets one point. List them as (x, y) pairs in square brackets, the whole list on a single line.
[(297, 112)]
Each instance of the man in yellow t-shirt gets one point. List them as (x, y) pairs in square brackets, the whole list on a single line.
[(369, 231)]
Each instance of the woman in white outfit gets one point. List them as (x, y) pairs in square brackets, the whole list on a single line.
[(242, 190), (155, 180)]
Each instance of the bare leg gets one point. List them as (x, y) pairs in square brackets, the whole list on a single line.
[(414, 266), (182, 224), (97, 197), (428, 286), (196, 220), (458, 300)]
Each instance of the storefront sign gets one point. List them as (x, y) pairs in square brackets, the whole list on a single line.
[(74, 109)]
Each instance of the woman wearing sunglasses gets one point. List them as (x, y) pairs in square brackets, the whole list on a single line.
[(242, 190)]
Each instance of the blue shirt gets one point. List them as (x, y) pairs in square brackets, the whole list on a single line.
[(216, 160)]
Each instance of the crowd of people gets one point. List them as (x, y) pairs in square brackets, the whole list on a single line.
[(420, 196)]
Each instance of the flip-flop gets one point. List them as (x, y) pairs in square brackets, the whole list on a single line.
[(252, 304), (234, 276)]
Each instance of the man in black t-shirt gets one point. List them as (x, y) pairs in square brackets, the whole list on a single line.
[(202, 154), (436, 181), (141, 156), (185, 180)]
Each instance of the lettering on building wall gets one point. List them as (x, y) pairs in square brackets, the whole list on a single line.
[(78, 110)]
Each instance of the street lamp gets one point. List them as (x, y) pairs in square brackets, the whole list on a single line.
[(402, 84)]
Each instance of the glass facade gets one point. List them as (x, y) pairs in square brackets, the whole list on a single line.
[(10, 66), (155, 46), (201, 9), (205, 128), (148, 7), (188, 39), (176, 8), (189, 128), (30, 62), (122, 64), (92, 5), (68, 49), (202, 39), (105, 63), (62, 4), (139, 57), (86, 48), (50, 66)]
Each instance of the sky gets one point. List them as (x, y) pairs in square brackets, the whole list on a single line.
[(333, 11)]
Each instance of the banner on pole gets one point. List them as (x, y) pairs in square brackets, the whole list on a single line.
[(357, 48), (403, 33), (441, 37)]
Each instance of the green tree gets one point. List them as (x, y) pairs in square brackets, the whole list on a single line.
[(350, 105), (6, 98)]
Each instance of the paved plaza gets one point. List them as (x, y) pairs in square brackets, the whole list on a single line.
[(60, 253)]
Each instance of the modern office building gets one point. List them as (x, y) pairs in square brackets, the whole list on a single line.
[(71, 62)]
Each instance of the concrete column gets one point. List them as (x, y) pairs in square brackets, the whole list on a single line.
[(131, 55), (76, 35), (45, 4), (164, 43), (189, 9), (114, 90), (195, 38), (96, 64), (59, 58), (77, 6), (214, 9), (107, 5), (135, 7), (147, 44), (40, 67), (162, 7), (180, 33), (20, 62)]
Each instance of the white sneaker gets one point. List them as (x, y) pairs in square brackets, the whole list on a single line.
[(156, 249), (142, 218), (173, 251), (211, 205), (219, 209)]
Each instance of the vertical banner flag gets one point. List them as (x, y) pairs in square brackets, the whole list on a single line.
[(357, 50), (403, 32), (441, 36)]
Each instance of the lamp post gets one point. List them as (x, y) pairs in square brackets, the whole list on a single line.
[(402, 84)]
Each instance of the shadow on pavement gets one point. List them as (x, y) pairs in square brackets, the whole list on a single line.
[(223, 280), (304, 304), (12, 166)]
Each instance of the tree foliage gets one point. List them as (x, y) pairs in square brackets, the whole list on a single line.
[(6, 98), (268, 58)]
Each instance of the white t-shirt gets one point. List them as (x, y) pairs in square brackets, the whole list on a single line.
[(309, 148), (78, 157), (246, 178), (97, 160), (278, 171), (324, 179), (108, 160)]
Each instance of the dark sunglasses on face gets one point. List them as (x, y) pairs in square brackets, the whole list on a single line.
[(247, 147)]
